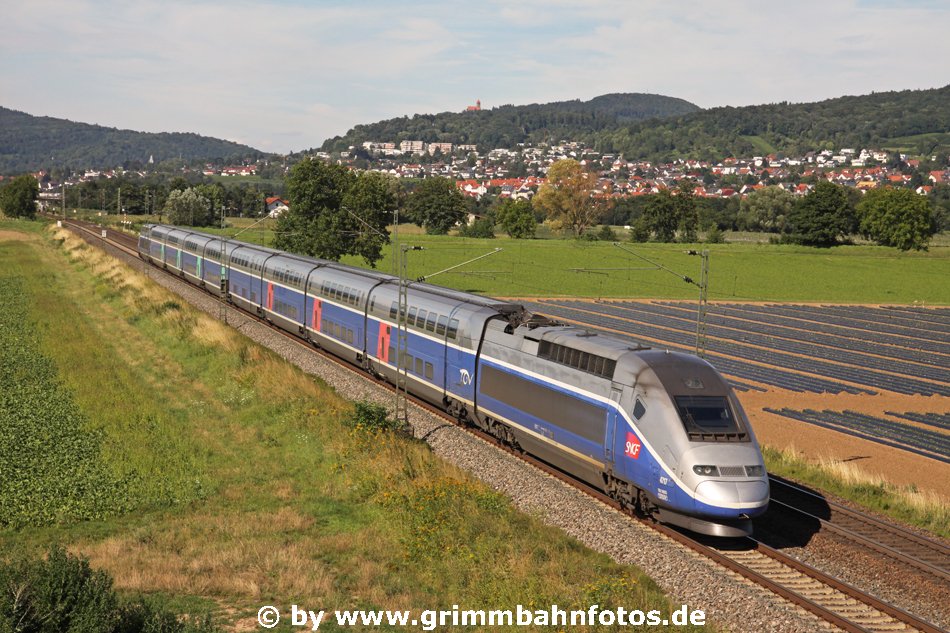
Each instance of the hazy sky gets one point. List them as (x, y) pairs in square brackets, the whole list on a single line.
[(285, 75)]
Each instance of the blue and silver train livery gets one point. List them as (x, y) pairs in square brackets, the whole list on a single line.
[(660, 431)]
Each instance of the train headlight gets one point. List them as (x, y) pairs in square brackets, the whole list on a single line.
[(708, 471), (754, 471)]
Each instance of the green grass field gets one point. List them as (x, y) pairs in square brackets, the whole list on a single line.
[(245, 481), (747, 269), (760, 144), (738, 272), (939, 141)]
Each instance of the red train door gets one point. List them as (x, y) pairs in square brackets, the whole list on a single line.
[(382, 344), (317, 317)]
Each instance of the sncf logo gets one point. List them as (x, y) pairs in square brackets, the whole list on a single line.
[(632, 448)]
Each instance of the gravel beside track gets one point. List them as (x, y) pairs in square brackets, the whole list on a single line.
[(686, 576)]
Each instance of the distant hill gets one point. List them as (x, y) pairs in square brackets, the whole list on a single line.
[(29, 143), (508, 125), (911, 121)]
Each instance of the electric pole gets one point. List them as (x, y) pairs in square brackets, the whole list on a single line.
[(401, 409)]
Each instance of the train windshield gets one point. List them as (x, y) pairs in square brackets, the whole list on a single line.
[(709, 418)]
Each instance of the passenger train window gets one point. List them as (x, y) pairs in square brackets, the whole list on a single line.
[(598, 364), (421, 319), (453, 328), (429, 371), (430, 322), (440, 327), (393, 309), (412, 315)]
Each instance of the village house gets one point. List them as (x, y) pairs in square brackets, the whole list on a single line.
[(276, 206)]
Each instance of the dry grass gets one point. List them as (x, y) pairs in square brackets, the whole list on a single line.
[(924, 508), (923, 500), (236, 554), (123, 279), (213, 333)]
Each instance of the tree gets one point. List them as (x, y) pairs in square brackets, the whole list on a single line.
[(766, 209), (18, 197), (436, 204), (686, 212), (216, 196), (334, 212), (517, 218), (372, 197), (896, 217), (189, 208), (566, 197), (823, 216), (661, 216), (940, 199)]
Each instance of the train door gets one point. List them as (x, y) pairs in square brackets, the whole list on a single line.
[(613, 412), (316, 316)]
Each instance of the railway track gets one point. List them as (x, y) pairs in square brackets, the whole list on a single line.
[(828, 598), (908, 548)]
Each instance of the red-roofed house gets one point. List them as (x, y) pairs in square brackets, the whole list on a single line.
[(276, 206)]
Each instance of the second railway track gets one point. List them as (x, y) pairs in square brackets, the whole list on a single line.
[(908, 548)]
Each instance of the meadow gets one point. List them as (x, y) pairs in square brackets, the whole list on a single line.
[(241, 480), (746, 269)]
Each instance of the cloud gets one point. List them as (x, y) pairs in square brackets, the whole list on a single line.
[(285, 75)]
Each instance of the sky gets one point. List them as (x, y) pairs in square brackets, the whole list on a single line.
[(284, 75)]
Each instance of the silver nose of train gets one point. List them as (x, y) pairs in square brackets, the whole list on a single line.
[(730, 492)]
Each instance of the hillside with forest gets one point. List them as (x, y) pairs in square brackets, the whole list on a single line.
[(30, 143), (508, 125), (911, 121), (660, 129)]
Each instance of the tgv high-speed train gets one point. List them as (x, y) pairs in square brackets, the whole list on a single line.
[(660, 431)]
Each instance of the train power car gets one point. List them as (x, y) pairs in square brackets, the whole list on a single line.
[(660, 431)]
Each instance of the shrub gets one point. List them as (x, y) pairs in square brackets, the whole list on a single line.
[(606, 234), (372, 417), (482, 227), (63, 593), (714, 235)]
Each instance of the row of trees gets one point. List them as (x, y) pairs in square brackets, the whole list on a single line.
[(150, 195), (336, 212), (830, 213)]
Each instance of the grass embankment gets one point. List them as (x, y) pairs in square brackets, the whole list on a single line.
[(738, 271), (247, 482), (923, 509)]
